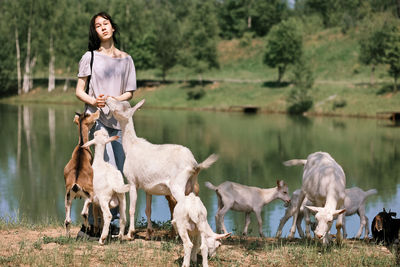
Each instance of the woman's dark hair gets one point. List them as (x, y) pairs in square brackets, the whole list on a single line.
[(94, 40)]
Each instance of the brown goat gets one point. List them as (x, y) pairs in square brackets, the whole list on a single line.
[(78, 172)]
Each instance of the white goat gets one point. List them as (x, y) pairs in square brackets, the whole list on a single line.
[(190, 220), (245, 198), (354, 202), (108, 185), (324, 185), (166, 169)]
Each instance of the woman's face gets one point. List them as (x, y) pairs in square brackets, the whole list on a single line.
[(103, 28)]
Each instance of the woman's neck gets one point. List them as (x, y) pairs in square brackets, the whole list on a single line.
[(108, 48)]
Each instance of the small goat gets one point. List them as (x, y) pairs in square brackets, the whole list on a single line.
[(190, 220), (384, 228), (78, 173), (108, 185), (324, 185), (245, 198), (291, 209), (166, 169), (354, 202)]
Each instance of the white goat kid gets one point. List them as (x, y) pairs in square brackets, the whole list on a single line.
[(108, 185), (324, 185), (245, 198), (291, 209), (166, 169), (190, 221), (354, 202)]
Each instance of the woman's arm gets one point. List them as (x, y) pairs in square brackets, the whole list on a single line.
[(125, 96), (81, 94)]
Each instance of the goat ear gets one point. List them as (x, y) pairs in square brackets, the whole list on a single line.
[(138, 105), (89, 143), (76, 119), (314, 209), (278, 183), (337, 212), (221, 236)]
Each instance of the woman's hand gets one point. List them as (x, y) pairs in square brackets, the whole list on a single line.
[(101, 101)]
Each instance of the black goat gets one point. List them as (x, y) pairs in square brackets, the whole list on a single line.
[(384, 228)]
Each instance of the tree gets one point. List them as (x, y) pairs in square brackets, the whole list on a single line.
[(266, 14), (200, 51), (392, 51), (284, 46), (299, 98), (371, 44), (232, 18), (167, 40), (381, 45)]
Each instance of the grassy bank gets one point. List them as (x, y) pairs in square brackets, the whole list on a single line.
[(335, 98), (342, 86), (22, 245)]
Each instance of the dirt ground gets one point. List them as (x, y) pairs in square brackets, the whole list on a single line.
[(49, 247)]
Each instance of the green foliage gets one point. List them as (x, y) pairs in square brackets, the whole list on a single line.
[(246, 39), (392, 52), (284, 46), (339, 103), (196, 93), (266, 14), (380, 44), (232, 18), (200, 50), (167, 41), (299, 99)]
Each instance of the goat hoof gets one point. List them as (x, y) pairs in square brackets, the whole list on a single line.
[(149, 233), (131, 235)]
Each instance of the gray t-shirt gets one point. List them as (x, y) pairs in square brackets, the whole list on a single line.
[(110, 76)]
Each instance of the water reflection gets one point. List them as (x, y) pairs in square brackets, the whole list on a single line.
[(37, 142)]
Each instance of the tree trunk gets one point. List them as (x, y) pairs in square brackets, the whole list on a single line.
[(281, 71), (52, 81), (27, 74), (249, 22), (66, 84), (33, 63), (18, 61), (372, 80)]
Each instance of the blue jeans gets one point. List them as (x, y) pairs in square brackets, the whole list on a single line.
[(113, 154)]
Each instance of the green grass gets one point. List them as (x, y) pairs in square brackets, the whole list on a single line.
[(51, 248)]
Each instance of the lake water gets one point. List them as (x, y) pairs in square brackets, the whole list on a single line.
[(37, 142)]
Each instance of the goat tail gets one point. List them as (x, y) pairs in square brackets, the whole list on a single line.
[(122, 189), (210, 186), (207, 162), (370, 192), (295, 162)]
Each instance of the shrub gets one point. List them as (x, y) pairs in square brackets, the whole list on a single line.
[(299, 98)]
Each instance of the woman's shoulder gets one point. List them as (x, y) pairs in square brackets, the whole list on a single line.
[(121, 54), (85, 57)]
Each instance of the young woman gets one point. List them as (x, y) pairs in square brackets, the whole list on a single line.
[(112, 75)]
